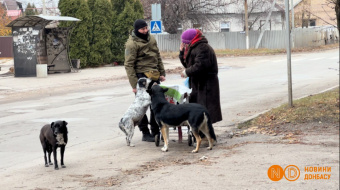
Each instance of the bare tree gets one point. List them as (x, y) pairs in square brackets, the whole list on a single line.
[(259, 9), (304, 13), (175, 13), (335, 4), (204, 13), (51, 6), (147, 7)]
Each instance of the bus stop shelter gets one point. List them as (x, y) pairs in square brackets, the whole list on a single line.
[(39, 48)]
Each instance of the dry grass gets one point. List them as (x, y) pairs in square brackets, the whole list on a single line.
[(322, 108), (253, 52)]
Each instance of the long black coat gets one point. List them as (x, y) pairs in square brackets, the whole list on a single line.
[(201, 68)]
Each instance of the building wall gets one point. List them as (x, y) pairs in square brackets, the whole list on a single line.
[(237, 22), (320, 9), (275, 20), (308, 10)]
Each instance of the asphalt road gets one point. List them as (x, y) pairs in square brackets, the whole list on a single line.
[(96, 151)]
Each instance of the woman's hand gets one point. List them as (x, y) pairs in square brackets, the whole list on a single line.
[(184, 74), (182, 46)]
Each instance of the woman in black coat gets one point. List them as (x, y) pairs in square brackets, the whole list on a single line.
[(200, 63)]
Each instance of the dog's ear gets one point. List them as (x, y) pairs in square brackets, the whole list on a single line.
[(149, 91), (52, 124), (165, 90), (65, 123), (142, 82)]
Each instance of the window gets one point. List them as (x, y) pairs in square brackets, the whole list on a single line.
[(225, 26), (312, 22), (250, 24)]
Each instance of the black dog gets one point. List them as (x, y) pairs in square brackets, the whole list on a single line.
[(168, 115), (52, 136)]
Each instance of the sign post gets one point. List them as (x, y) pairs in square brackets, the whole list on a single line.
[(156, 12)]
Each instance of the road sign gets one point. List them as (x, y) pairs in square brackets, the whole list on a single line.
[(156, 27)]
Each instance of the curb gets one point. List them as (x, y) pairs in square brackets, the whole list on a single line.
[(258, 114)]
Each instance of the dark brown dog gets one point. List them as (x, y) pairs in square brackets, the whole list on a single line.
[(52, 136)]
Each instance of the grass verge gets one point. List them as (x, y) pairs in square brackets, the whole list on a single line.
[(255, 52), (322, 108)]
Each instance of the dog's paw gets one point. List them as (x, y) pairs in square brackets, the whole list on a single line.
[(63, 166), (51, 163), (46, 165), (56, 168), (194, 151), (128, 142), (209, 148), (132, 145)]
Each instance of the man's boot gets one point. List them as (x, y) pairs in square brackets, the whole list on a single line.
[(143, 126), (154, 126), (147, 136)]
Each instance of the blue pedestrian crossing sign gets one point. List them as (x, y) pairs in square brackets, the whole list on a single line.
[(156, 27)]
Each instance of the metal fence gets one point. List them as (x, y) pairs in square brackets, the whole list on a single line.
[(274, 39), (6, 46)]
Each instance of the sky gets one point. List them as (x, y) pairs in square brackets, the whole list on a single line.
[(39, 3)]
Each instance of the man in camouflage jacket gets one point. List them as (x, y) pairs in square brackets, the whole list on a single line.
[(141, 56)]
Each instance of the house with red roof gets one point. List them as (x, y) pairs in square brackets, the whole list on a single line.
[(13, 8)]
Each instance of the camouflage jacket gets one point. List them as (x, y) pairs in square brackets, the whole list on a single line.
[(141, 56)]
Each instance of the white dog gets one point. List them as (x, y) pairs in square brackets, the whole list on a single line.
[(136, 110)]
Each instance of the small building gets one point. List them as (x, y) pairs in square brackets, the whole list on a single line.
[(231, 18), (35, 45), (310, 13), (13, 8), (228, 16)]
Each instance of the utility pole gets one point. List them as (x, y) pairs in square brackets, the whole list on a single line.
[(289, 69), (246, 22), (292, 32), (44, 7)]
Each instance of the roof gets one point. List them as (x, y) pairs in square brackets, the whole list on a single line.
[(282, 3), (12, 4), (259, 6), (38, 20)]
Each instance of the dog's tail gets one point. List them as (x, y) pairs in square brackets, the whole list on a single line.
[(121, 126), (210, 127)]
